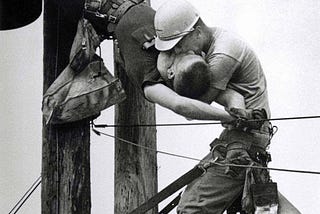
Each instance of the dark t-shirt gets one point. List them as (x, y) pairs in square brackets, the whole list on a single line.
[(140, 64)]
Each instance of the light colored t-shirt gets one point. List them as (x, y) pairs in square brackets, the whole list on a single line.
[(234, 65)]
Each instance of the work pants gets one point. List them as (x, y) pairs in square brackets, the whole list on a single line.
[(215, 191)]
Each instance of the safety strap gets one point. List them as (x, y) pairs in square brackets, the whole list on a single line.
[(185, 179), (109, 12), (116, 14), (171, 205)]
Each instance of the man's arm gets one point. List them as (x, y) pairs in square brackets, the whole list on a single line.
[(190, 108), (228, 98)]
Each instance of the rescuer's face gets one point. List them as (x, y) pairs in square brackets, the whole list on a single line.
[(190, 42)]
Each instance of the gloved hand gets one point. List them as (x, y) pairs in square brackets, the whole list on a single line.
[(247, 118)]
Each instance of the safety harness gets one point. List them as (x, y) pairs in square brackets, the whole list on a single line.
[(105, 14), (259, 191), (263, 195)]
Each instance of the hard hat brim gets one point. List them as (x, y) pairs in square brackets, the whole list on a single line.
[(162, 45)]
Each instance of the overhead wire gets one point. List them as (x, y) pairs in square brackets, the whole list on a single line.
[(93, 126), (196, 159), (202, 123)]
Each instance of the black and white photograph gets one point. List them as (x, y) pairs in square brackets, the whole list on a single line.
[(159, 106)]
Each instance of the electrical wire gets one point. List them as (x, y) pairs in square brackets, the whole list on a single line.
[(196, 159), (25, 197), (144, 147), (267, 168), (38, 181), (202, 123)]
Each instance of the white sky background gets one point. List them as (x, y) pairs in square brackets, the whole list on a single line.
[(285, 35)]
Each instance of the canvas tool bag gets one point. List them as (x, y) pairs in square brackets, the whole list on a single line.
[(85, 87), (71, 98)]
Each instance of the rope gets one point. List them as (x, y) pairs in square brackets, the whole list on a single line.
[(266, 168), (196, 159), (25, 197), (143, 147), (202, 123)]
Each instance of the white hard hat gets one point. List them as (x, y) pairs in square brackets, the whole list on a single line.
[(172, 21)]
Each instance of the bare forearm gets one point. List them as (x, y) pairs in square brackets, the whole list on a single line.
[(198, 110), (184, 106)]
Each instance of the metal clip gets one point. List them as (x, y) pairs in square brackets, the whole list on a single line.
[(203, 167), (112, 19), (100, 15)]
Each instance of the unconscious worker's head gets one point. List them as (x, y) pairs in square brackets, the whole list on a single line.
[(188, 74)]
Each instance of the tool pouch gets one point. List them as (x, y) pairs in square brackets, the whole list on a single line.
[(265, 198), (73, 97)]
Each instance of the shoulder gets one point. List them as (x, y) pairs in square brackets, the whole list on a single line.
[(227, 43)]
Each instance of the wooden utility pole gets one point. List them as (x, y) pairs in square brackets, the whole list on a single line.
[(65, 149), (135, 167)]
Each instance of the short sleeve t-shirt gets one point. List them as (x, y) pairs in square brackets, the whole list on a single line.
[(234, 65), (140, 64)]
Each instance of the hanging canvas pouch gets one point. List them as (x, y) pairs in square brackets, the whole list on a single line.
[(81, 96), (85, 87)]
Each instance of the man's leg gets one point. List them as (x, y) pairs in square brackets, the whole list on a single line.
[(211, 193)]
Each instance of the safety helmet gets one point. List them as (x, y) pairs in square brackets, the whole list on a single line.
[(173, 20)]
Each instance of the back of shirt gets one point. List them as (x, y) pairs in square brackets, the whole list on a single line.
[(234, 65)]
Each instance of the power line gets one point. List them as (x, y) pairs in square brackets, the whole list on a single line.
[(25, 197), (34, 186), (267, 168), (201, 123), (196, 159)]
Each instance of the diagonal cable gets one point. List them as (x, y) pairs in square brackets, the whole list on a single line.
[(196, 159), (202, 123), (26, 196), (144, 147)]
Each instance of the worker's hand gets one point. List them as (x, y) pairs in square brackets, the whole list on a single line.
[(247, 118), (240, 113)]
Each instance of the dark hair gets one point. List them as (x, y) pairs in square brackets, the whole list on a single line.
[(193, 81)]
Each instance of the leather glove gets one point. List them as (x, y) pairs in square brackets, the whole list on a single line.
[(247, 118)]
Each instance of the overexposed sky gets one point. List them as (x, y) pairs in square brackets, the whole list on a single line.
[(285, 35)]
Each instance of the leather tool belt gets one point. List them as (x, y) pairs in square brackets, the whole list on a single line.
[(255, 142)]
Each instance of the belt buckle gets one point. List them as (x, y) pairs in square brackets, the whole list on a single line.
[(112, 19)]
